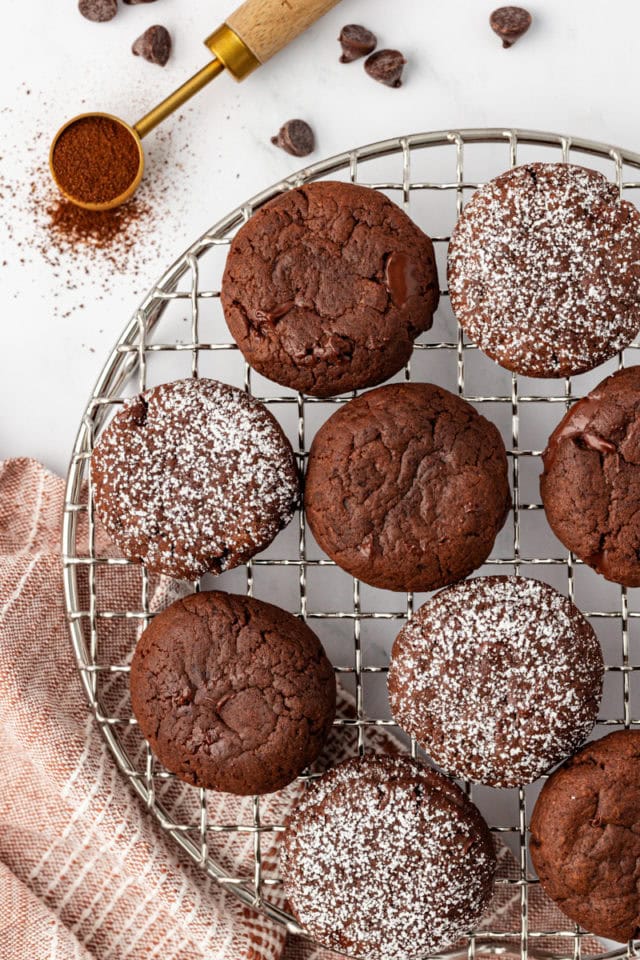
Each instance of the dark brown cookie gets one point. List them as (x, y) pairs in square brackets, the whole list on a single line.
[(385, 857), (407, 487), (591, 482), (498, 678), (327, 286), (193, 476), (233, 694), (585, 837), (544, 270)]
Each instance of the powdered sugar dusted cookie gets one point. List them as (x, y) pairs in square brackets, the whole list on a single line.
[(386, 858), (498, 678), (544, 270), (193, 476)]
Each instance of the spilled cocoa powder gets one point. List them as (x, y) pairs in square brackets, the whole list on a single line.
[(83, 250), (73, 226), (80, 241), (70, 259)]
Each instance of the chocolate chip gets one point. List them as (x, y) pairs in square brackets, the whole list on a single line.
[(510, 23), (295, 137), (385, 66), (98, 10), (356, 41), (154, 45)]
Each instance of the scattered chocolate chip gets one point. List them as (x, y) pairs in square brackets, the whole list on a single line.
[(510, 23), (356, 41), (295, 137), (385, 66), (154, 44), (98, 10)]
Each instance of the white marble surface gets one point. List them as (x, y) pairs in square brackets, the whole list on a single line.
[(574, 72)]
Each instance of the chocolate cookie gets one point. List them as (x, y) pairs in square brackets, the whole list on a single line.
[(585, 837), (193, 477), (407, 487), (498, 678), (544, 270), (232, 694), (591, 482), (327, 286), (385, 857)]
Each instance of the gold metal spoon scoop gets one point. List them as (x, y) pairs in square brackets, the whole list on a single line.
[(252, 35)]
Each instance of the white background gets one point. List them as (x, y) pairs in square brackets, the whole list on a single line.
[(576, 72)]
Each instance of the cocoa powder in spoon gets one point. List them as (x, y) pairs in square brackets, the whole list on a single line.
[(95, 159)]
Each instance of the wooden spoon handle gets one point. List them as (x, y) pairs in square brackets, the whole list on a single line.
[(266, 26)]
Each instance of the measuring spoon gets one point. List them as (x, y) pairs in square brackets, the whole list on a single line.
[(256, 31)]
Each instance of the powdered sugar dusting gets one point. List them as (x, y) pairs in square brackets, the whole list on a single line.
[(385, 858), (544, 269), (499, 678), (194, 476)]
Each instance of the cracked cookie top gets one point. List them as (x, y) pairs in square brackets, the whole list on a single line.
[(406, 487), (192, 477), (386, 858), (591, 482), (585, 837), (232, 693), (327, 286), (498, 678), (544, 270)]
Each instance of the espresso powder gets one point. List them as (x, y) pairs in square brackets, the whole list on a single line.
[(96, 159)]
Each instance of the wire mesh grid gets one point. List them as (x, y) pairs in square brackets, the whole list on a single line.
[(431, 175)]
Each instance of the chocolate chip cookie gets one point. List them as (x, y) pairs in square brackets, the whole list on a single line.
[(544, 270), (232, 693), (327, 286), (385, 857), (406, 487), (498, 678), (192, 477), (591, 482), (585, 837)]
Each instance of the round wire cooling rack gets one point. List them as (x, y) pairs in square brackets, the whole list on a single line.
[(179, 330)]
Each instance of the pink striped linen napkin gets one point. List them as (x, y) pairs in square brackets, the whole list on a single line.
[(85, 872)]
